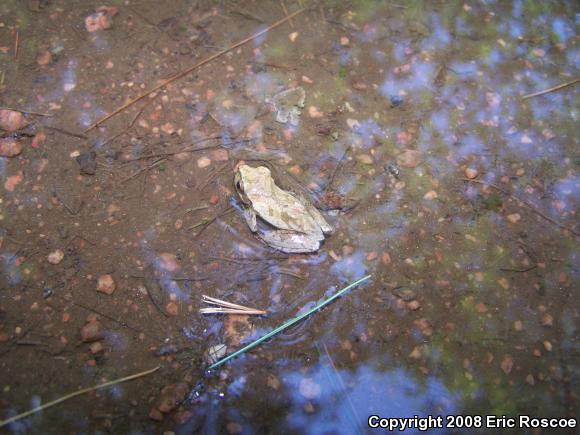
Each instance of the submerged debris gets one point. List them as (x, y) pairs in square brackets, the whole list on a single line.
[(102, 19), (288, 104), (215, 353), (88, 163)]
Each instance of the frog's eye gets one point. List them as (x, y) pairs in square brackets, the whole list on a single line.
[(239, 185)]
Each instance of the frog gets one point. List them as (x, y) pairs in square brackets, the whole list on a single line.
[(288, 104), (284, 220)]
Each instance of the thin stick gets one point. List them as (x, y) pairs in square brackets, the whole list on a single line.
[(68, 133), (147, 104), (287, 324), (75, 394), (28, 112), (231, 311), (552, 89), (286, 12), (525, 204), (146, 168), (527, 269), (192, 68), (16, 45), (110, 139), (183, 150), (331, 179)]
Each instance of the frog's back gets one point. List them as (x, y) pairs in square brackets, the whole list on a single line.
[(283, 210)]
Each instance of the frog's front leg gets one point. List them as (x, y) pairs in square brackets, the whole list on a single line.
[(250, 216)]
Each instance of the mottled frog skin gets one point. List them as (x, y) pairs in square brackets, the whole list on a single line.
[(281, 219)]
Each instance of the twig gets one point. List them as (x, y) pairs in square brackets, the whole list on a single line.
[(110, 139), (146, 168), (75, 394), (213, 176), (208, 221), (331, 178), (16, 45), (288, 323), (73, 213), (525, 204), (142, 109), (286, 13), (247, 15), (506, 269), (552, 89), (201, 207), (68, 133), (183, 150), (106, 316), (192, 68), (282, 271), (212, 220), (272, 65), (185, 278), (28, 112)]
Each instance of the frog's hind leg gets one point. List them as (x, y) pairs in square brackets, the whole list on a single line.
[(289, 243)]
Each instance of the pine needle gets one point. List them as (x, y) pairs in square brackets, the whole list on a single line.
[(76, 393), (288, 323), (226, 307)]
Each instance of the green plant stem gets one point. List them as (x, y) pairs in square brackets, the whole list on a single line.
[(288, 323)]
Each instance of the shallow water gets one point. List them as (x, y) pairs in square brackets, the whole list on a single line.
[(458, 195)]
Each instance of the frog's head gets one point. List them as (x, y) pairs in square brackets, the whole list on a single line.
[(247, 178)]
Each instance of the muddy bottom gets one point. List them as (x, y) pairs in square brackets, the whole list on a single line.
[(438, 139)]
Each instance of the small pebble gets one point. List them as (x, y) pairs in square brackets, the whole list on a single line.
[(547, 320), (11, 120), (91, 332), (471, 173), (548, 346), (96, 347), (10, 147), (413, 305), (513, 218), (430, 195), (44, 58), (481, 308), (314, 112), (364, 159), (203, 162), (172, 309), (396, 100), (55, 257), (106, 284)]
